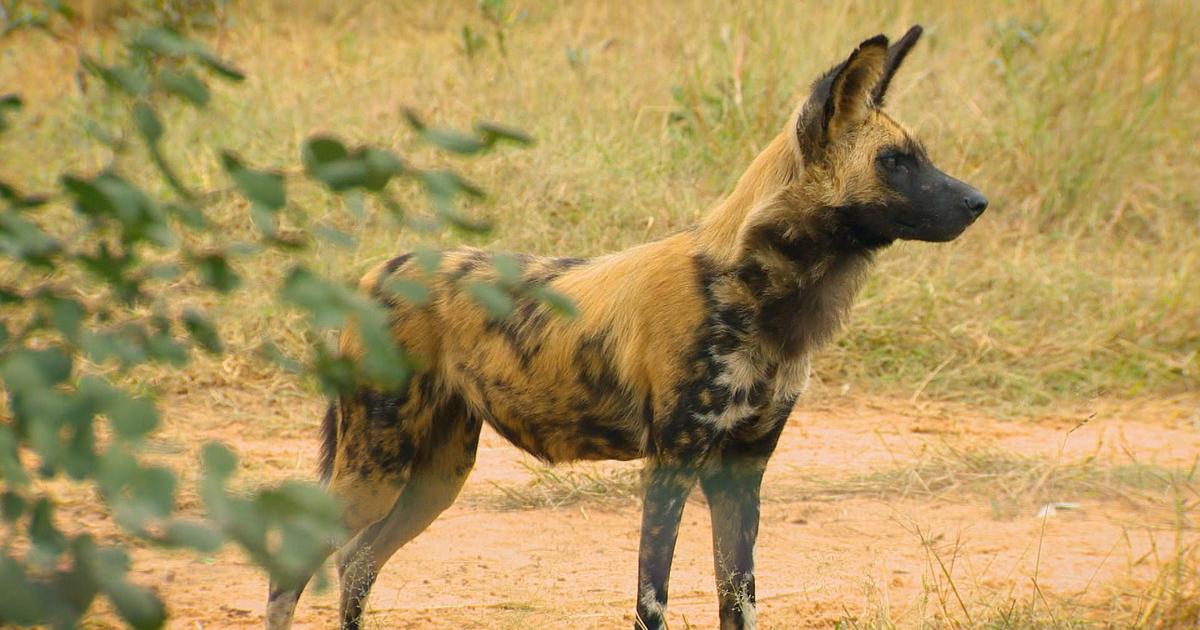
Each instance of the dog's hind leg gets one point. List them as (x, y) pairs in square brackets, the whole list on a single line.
[(436, 479), (364, 502)]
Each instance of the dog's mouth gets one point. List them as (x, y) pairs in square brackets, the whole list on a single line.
[(932, 231)]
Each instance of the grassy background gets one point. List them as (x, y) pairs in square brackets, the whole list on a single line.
[(1078, 120)]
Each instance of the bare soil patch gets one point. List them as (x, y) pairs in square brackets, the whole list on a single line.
[(836, 543)]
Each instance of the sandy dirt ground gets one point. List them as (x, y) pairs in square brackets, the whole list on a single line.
[(824, 554)]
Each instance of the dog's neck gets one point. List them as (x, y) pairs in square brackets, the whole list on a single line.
[(719, 233), (798, 259)]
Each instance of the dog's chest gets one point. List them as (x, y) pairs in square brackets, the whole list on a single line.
[(743, 385)]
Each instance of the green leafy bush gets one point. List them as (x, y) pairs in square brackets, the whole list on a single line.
[(83, 308)]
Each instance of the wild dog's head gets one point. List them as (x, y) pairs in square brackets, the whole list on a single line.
[(868, 170)]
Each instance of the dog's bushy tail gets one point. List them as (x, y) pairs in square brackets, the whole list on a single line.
[(328, 442)]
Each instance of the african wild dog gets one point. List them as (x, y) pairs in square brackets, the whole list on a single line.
[(689, 351)]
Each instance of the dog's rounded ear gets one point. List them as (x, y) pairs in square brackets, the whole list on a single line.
[(842, 97), (895, 56)]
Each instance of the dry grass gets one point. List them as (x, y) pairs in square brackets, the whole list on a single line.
[(1015, 485), (557, 487), (1077, 119), (1169, 600), (1012, 482)]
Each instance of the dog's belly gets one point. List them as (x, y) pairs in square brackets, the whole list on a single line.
[(559, 421)]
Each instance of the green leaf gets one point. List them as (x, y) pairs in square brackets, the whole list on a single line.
[(442, 187), (218, 460), (66, 315), (344, 175), (327, 303), (313, 502), (77, 586), (79, 459), (48, 542), (320, 150), (163, 41), (24, 241), (127, 345), (508, 268), (8, 103), (555, 300), (164, 271), (89, 201), (109, 196), (428, 258), (116, 468), (264, 220), (453, 141), (147, 122), (136, 605), (115, 270), (272, 353), (381, 167), (216, 272), (449, 183), (188, 214), (11, 470), (12, 506), (103, 135), (128, 80), (185, 85), (195, 535), (164, 168), (335, 372), (43, 412), (202, 330), (222, 69), (411, 291), (492, 132), (449, 140), (262, 187), (132, 418), (333, 236), (28, 369), (16, 199), (382, 361), (161, 344), (22, 604), (493, 299), (153, 491), (327, 160)]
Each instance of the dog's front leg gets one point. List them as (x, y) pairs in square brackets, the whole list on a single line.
[(667, 489), (731, 487)]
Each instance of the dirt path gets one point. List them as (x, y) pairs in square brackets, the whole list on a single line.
[(870, 509)]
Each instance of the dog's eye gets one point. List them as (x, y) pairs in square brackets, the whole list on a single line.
[(892, 160)]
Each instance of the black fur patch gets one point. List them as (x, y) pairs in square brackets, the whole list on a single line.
[(594, 364), (397, 262), (468, 264), (378, 291)]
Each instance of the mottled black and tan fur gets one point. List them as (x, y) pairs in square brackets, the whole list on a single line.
[(688, 352)]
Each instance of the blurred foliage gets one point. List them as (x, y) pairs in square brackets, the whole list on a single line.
[(83, 308), (180, 15)]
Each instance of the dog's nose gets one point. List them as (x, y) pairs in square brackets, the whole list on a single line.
[(975, 202)]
